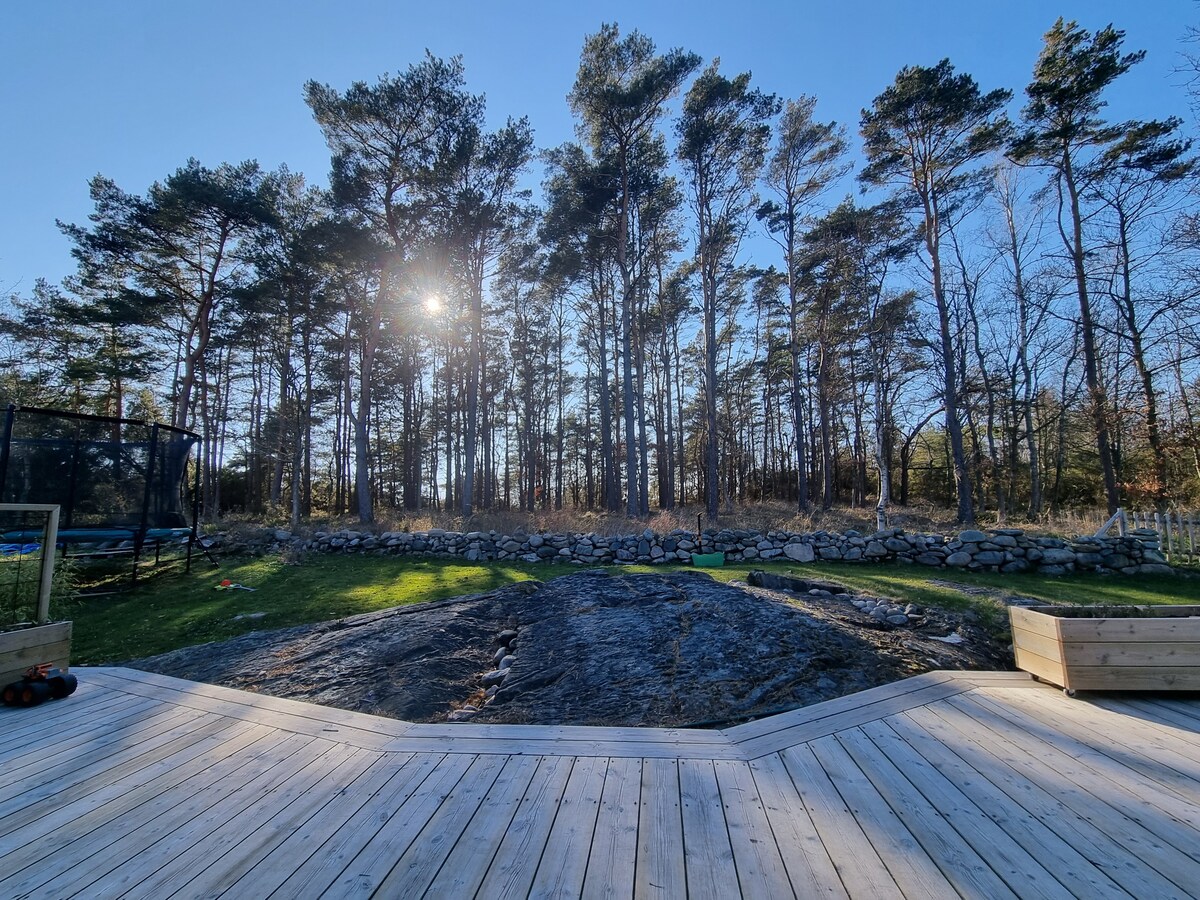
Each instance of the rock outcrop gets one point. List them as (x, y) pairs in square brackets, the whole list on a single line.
[(593, 648)]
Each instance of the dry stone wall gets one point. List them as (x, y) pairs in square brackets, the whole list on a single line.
[(998, 549)]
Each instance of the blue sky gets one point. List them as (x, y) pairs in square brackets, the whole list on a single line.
[(132, 88)]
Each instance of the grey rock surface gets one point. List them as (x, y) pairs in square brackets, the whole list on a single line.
[(409, 662), (595, 648)]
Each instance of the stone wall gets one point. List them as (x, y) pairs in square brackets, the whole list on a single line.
[(999, 549)]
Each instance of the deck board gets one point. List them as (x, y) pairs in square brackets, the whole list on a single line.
[(1086, 795), (981, 784)]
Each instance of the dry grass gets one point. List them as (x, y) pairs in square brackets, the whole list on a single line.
[(766, 516)]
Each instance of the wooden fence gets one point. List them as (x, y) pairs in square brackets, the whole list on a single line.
[(1176, 531)]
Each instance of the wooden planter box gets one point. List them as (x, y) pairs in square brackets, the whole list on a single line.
[(33, 646), (1109, 648)]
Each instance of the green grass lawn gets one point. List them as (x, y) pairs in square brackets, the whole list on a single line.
[(180, 610)]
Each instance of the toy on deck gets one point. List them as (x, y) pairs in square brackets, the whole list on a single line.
[(39, 684)]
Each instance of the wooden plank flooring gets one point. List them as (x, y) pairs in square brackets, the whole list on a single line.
[(982, 784)]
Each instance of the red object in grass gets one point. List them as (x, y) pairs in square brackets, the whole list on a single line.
[(226, 583)]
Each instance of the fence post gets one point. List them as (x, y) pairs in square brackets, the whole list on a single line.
[(49, 542), (1115, 517)]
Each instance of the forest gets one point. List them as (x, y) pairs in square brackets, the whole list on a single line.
[(984, 298)]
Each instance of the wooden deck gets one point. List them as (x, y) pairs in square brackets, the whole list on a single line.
[(945, 785)]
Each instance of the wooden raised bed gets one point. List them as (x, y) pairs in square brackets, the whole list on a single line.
[(34, 646), (1109, 648)]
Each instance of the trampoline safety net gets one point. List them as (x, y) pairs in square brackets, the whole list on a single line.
[(104, 473)]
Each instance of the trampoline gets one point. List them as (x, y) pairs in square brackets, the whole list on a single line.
[(121, 484)]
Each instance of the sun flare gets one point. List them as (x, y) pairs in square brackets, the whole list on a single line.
[(433, 304)]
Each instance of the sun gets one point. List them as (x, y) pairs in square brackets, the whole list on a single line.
[(432, 303)]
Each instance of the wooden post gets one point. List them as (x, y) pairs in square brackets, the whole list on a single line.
[(1170, 550), (1115, 517), (49, 543)]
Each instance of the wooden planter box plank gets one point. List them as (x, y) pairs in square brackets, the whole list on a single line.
[(1158, 649), (32, 647)]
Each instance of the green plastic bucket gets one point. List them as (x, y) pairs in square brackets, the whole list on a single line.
[(711, 560)]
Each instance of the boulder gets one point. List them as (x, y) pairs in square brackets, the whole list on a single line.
[(799, 552)]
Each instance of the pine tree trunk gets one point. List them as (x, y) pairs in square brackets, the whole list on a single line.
[(1097, 399)]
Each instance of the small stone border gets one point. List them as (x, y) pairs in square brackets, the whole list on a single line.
[(490, 682), (881, 609)]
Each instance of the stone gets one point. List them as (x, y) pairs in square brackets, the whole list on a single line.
[(798, 552), (930, 559), (875, 549), (852, 554), (536, 540), (959, 559), (507, 636), (897, 619), (493, 677), (499, 655), (1055, 556), (1004, 540), (1155, 569), (971, 536), (461, 715), (989, 558), (507, 662), (897, 546)]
